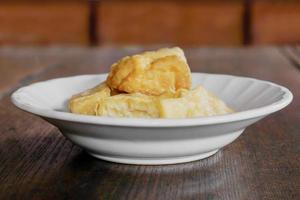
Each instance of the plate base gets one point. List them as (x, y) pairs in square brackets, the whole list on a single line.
[(154, 161)]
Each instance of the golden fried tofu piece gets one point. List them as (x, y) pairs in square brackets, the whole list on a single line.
[(194, 103), (151, 73), (103, 101), (129, 105), (86, 102)]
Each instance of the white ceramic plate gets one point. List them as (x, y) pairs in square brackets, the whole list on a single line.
[(154, 141)]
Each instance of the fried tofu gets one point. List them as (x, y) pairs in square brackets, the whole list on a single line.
[(194, 103), (151, 73), (181, 104), (85, 102), (154, 84), (129, 105)]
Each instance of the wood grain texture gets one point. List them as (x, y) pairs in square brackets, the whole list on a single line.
[(176, 22), (297, 56), (275, 22), (14, 68), (293, 54), (37, 162), (44, 23), (19, 67)]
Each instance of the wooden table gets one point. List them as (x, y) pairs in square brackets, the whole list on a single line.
[(37, 162)]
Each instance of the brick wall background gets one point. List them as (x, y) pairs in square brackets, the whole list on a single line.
[(127, 22)]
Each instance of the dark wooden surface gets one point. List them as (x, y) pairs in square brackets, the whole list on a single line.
[(37, 162)]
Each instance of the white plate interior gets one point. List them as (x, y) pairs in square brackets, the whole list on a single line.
[(241, 94), (249, 97)]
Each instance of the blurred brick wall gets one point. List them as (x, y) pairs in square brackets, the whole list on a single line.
[(49, 22), (275, 22), (182, 22)]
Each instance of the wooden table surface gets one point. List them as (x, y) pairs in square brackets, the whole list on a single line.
[(37, 162)]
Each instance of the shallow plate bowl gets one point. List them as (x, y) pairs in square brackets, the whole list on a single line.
[(154, 141)]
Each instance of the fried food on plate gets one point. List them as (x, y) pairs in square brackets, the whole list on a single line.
[(86, 102), (182, 104), (129, 105), (193, 103), (154, 84), (151, 73)]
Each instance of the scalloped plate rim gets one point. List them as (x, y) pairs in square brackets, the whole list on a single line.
[(143, 122)]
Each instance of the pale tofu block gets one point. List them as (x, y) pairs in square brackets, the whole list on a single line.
[(129, 105), (195, 103), (86, 102)]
